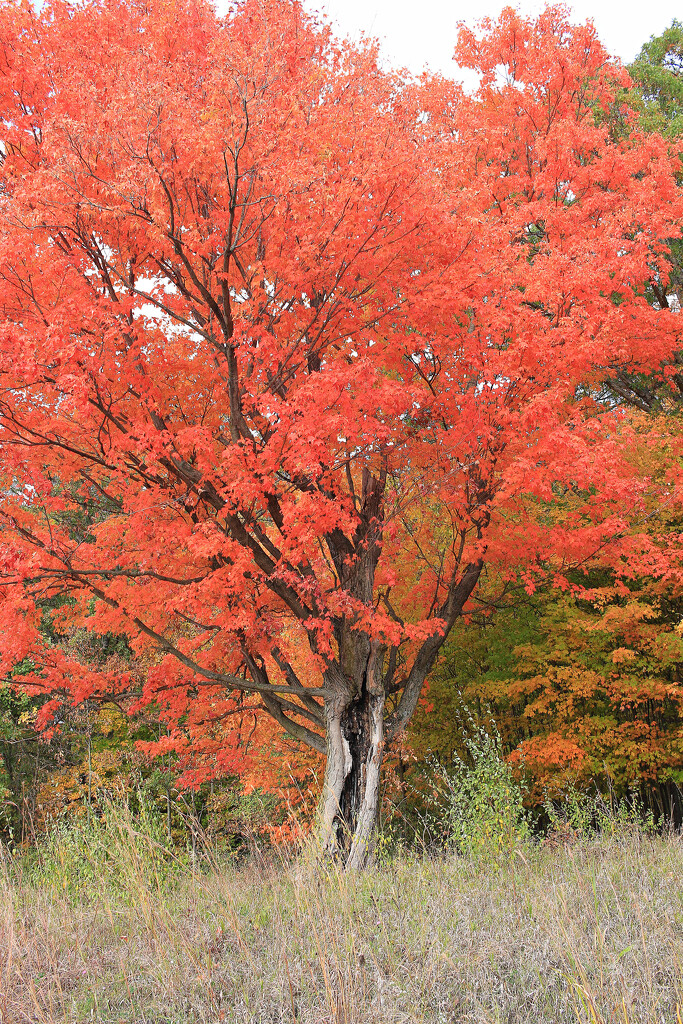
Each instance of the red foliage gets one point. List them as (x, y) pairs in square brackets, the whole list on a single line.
[(288, 344)]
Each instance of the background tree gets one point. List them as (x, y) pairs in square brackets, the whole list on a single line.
[(310, 338), (657, 73)]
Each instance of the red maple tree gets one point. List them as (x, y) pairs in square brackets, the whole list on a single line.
[(289, 342)]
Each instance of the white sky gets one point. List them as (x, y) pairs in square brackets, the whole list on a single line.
[(420, 33)]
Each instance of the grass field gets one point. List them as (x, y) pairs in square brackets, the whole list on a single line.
[(102, 927)]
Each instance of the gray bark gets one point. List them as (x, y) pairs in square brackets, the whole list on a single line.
[(357, 730)]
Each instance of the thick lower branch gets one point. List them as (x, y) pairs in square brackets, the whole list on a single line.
[(450, 611)]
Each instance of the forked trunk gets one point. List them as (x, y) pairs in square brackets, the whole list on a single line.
[(355, 725), (356, 683), (350, 803)]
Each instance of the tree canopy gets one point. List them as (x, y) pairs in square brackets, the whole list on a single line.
[(292, 348)]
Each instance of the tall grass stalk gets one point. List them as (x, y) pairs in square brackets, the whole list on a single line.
[(590, 931)]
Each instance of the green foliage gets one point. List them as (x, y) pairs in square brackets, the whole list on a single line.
[(477, 660), (580, 814), (133, 851), (20, 760), (658, 74), (477, 803), (239, 821)]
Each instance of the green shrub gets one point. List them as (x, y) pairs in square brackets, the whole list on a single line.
[(477, 805)]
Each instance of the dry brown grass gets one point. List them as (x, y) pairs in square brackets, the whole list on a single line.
[(588, 932)]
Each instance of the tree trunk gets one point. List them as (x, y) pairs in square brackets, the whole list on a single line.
[(350, 801), (356, 730)]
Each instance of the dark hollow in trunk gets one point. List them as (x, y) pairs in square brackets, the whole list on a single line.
[(356, 728), (350, 803)]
